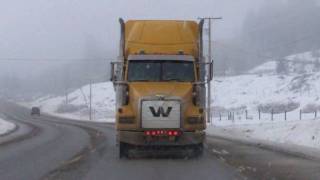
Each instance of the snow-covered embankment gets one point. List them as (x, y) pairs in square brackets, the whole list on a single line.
[(6, 127)]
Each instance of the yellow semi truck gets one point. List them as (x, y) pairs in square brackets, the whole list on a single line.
[(160, 82)]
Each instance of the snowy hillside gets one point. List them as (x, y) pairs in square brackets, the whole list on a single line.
[(78, 103), (293, 95), (307, 62), (298, 85), (252, 91)]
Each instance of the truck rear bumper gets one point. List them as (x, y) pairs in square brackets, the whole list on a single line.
[(138, 138)]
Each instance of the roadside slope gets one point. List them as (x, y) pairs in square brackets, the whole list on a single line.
[(6, 127)]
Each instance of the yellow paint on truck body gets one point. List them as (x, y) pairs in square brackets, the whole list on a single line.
[(139, 90), (161, 37)]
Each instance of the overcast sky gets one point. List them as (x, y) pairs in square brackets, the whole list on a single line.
[(65, 28), (71, 29)]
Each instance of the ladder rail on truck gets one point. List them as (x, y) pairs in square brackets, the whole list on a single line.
[(160, 113)]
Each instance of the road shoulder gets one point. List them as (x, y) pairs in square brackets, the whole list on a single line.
[(292, 149)]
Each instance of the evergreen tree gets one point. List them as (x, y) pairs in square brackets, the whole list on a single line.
[(282, 67)]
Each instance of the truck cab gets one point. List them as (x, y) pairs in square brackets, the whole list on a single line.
[(158, 82)]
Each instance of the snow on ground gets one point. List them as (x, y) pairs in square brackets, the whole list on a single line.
[(267, 93), (103, 103), (252, 90), (6, 126), (298, 132), (287, 102), (267, 67)]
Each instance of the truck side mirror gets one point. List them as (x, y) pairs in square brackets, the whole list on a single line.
[(116, 71), (206, 71), (112, 74)]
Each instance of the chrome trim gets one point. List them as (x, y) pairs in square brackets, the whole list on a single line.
[(154, 98)]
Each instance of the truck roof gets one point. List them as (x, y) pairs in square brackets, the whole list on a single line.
[(161, 37)]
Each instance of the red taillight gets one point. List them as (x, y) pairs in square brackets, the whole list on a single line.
[(175, 133), (162, 132)]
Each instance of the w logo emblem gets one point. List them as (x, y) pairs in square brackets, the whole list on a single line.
[(160, 112)]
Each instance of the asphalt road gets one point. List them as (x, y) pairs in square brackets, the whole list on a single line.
[(52, 148)]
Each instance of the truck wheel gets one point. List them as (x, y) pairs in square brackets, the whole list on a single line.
[(123, 150)]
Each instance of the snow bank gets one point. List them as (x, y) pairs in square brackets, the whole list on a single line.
[(296, 136), (6, 126)]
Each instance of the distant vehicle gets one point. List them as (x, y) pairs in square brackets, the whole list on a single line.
[(160, 82), (35, 111)]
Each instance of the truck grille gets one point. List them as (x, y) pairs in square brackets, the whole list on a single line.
[(160, 114)]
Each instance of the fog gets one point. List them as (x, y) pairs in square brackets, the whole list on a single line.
[(45, 41), (43, 29)]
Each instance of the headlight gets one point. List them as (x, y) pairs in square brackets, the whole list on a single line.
[(195, 120), (126, 120)]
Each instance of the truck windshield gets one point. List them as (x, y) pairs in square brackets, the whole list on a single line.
[(157, 70)]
